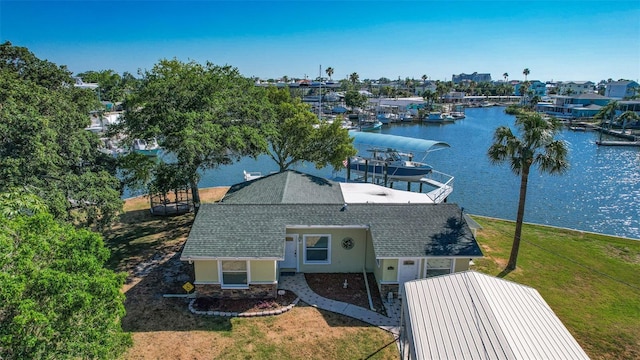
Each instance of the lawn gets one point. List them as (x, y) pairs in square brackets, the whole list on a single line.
[(591, 281), (147, 248)]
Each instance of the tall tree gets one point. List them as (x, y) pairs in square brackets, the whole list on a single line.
[(329, 72), (505, 76), (354, 99), (43, 143), (295, 134), (57, 300), (535, 146), (424, 77), (205, 115), (526, 73)]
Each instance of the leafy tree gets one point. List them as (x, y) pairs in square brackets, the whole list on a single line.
[(424, 77), (329, 72), (535, 146), (297, 135), (43, 143), (505, 76), (205, 115), (526, 73), (355, 99), (57, 301)]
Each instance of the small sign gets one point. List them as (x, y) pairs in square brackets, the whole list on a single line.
[(188, 287)]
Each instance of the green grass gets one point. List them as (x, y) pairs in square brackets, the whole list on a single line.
[(591, 281)]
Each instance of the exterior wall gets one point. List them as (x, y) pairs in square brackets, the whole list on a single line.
[(342, 260), (461, 265), (389, 270), (262, 271), (206, 271), (254, 291)]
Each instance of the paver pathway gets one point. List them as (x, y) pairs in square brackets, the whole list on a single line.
[(298, 284)]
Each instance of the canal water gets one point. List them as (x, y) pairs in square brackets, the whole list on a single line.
[(599, 193)]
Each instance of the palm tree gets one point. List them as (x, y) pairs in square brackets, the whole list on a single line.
[(329, 72), (526, 72), (536, 146), (506, 77), (628, 116), (354, 78), (607, 112)]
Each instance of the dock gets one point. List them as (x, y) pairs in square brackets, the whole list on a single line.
[(618, 143)]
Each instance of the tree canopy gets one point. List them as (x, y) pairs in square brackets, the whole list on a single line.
[(204, 115), (296, 134), (57, 300), (354, 99), (43, 143)]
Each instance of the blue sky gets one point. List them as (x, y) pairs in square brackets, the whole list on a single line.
[(556, 40)]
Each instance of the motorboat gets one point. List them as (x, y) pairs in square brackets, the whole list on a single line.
[(150, 148), (394, 164), (437, 117), (368, 125)]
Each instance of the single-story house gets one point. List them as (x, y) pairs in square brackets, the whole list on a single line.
[(470, 315), (295, 222)]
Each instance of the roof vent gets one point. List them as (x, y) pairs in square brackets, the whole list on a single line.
[(344, 207)]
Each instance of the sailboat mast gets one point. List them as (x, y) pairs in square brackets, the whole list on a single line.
[(320, 93)]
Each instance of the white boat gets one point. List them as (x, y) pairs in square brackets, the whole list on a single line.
[(406, 117), (397, 165), (437, 117), (251, 175), (146, 148), (458, 115), (382, 157)]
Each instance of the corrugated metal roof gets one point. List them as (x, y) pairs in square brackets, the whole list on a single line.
[(470, 315)]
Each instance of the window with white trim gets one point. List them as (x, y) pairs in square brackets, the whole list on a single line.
[(317, 249), (437, 267), (234, 273)]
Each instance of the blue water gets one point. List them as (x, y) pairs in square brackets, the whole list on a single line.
[(599, 193)]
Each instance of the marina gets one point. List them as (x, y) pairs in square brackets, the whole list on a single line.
[(600, 192)]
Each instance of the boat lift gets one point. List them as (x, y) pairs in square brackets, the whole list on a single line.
[(408, 146)]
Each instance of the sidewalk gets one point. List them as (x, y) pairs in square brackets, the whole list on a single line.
[(298, 285)]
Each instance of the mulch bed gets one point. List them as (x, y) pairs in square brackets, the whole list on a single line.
[(331, 286), (243, 305)]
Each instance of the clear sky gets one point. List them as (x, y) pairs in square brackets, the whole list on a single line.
[(556, 40)]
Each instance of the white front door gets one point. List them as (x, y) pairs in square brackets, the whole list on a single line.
[(290, 253), (407, 271)]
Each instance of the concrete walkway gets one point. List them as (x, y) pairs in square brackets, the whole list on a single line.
[(298, 284)]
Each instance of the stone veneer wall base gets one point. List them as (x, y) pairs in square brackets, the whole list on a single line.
[(255, 291)]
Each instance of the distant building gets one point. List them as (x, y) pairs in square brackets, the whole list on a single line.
[(574, 106), (536, 87), (621, 89), (575, 87), (471, 77)]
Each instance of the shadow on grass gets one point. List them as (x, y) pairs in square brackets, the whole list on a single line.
[(148, 310)]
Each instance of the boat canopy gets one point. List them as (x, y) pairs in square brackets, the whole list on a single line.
[(395, 142)]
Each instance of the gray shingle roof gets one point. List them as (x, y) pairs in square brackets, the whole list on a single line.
[(397, 230), (288, 187)]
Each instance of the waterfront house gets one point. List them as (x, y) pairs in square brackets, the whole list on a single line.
[(470, 315), (574, 106), (536, 87), (575, 87), (295, 222), (621, 89)]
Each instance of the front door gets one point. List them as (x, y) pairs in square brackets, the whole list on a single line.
[(290, 253), (407, 271)]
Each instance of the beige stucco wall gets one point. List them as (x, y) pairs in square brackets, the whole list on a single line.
[(262, 270), (206, 271), (389, 274), (342, 260)]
